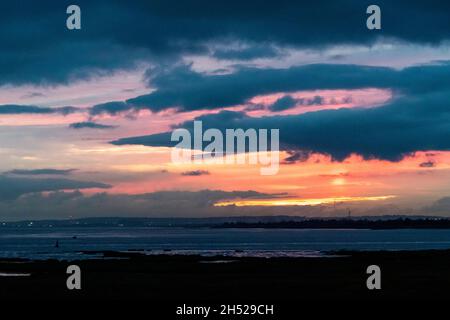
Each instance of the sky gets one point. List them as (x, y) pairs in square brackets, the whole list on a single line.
[(86, 115)]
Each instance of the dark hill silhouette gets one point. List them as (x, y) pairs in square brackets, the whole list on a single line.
[(400, 223)]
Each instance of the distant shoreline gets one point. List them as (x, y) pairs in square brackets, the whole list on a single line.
[(266, 222), (401, 223)]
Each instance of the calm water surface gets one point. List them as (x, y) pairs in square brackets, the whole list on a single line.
[(39, 243)]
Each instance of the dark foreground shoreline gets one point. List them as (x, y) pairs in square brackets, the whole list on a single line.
[(406, 275)]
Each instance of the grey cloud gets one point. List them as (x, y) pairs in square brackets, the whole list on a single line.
[(195, 173), (13, 187), (427, 164), (27, 109), (33, 95), (90, 125), (439, 207), (296, 156), (288, 102), (60, 205), (157, 204), (45, 171)]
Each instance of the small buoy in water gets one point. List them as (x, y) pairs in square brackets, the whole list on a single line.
[(57, 244)]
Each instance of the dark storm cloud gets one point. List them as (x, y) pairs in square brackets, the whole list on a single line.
[(417, 118), (112, 108), (284, 103), (25, 109), (187, 90), (46, 171), (401, 127), (13, 187), (250, 53), (90, 125), (38, 48)]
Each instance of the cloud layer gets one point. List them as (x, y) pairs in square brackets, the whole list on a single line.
[(156, 204), (37, 172), (37, 48), (416, 119), (25, 109), (90, 125), (13, 187)]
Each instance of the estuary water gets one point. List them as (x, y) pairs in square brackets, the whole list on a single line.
[(40, 243)]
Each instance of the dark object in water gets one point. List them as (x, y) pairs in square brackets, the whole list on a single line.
[(57, 244), (74, 237)]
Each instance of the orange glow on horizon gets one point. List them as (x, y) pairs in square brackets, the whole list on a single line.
[(298, 202)]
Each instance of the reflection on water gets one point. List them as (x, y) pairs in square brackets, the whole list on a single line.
[(39, 243)]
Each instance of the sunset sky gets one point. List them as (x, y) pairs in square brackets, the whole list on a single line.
[(85, 115)]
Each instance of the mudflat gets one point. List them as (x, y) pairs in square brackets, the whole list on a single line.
[(405, 275)]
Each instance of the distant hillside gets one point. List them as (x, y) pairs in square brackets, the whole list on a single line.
[(398, 223)]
